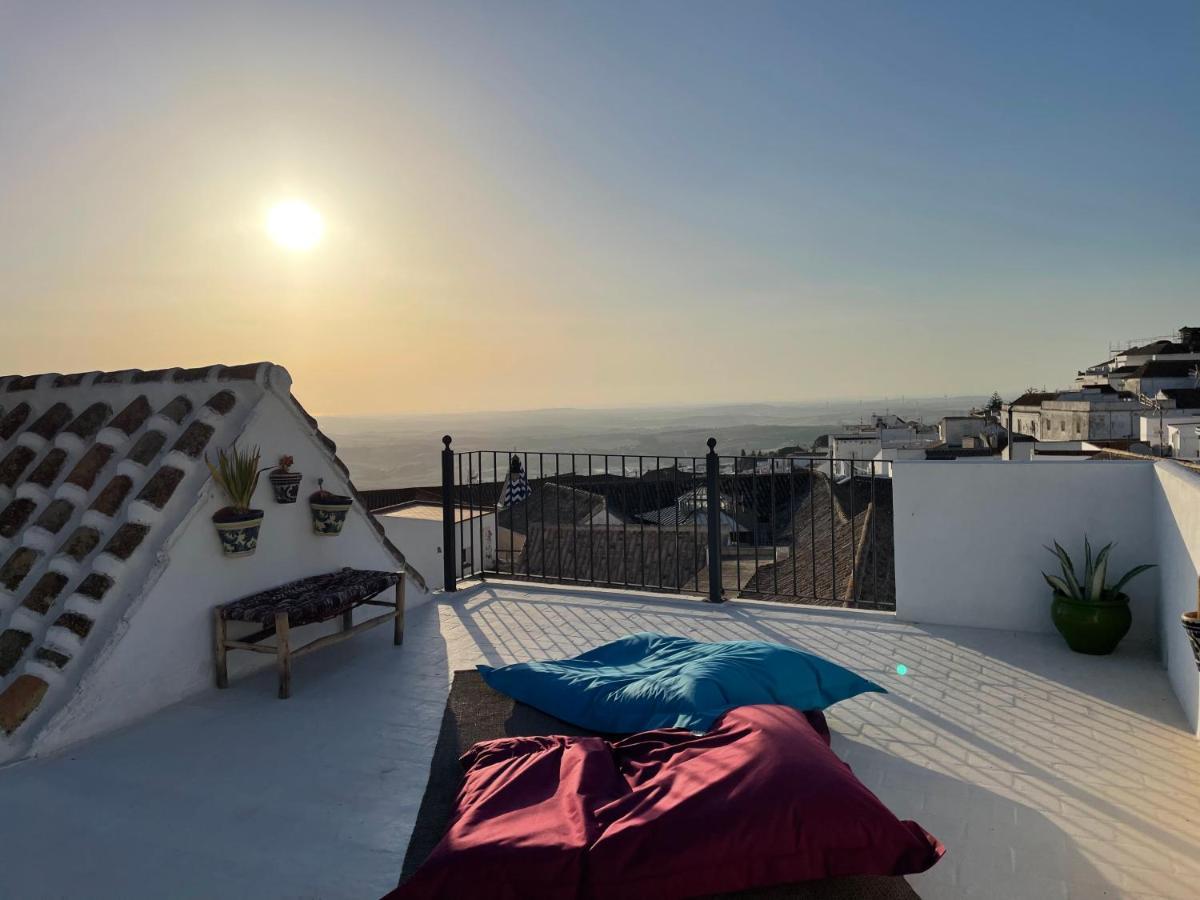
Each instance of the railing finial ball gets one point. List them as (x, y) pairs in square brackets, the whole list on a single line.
[(446, 440), (712, 443)]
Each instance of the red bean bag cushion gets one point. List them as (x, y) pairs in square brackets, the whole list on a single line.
[(759, 800)]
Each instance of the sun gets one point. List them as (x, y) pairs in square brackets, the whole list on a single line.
[(294, 225)]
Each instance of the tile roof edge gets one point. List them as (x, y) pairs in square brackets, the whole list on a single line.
[(279, 382)]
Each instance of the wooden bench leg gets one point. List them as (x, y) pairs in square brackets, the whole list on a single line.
[(221, 650), (283, 653), (348, 619), (398, 636)]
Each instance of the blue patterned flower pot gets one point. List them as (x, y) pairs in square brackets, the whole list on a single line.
[(238, 531), (1191, 625), (286, 486), (329, 513)]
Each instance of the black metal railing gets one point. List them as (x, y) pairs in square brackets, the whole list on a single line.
[(796, 529)]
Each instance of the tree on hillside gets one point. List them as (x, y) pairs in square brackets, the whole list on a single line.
[(995, 402)]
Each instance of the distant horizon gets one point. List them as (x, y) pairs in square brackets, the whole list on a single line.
[(649, 407)]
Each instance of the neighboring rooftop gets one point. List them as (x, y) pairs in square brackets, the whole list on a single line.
[(424, 510), (552, 504)]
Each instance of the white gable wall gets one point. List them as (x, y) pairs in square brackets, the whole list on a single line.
[(1178, 526), (162, 651)]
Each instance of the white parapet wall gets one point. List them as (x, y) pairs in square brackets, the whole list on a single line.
[(1178, 521), (970, 541)]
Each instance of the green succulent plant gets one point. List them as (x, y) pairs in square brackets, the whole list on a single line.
[(236, 473), (1092, 586)]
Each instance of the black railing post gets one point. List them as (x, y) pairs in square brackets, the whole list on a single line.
[(449, 553), (712, 469)]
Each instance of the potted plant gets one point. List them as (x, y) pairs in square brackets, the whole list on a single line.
[(1089, 613), (284, 482), (328, 510), (1191, 626), (238, 524)]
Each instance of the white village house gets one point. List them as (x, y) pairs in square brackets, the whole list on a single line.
[(110, 567)]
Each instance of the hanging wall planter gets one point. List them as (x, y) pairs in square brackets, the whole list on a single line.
[(329, 512), (284, 482), (238, 530), (238, 525)]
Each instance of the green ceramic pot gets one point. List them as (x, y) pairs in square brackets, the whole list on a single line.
[(1094, 628)]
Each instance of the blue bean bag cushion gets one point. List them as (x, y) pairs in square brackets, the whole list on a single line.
[(646, 681)]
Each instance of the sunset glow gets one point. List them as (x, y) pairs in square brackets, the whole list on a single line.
[(294, 225)]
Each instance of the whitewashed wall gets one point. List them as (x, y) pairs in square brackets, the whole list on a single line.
[(162, 650), (420, 540), (970, 536), (1178, 519), (969, 542)]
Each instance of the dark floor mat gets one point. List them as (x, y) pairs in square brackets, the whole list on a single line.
[(475, 712)]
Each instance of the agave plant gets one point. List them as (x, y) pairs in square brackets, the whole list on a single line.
[(1091, 587), (237, 472)]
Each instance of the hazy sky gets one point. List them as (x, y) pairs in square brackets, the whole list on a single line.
[(607, 203)]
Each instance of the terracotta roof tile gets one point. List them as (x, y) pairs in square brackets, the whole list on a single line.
[(201, 373), (126, 539), (109, 500), (83, 540), (177, 410), (94, 586), (133, 416), (19, 700), (52, 657), (14, 463), (147, 447), (13, 420), (89, 466), (78, 624), (153, 375), (194, 439), (56, 515), (73, 380), (158, 490), (14, 516), (51, 421), (43, 594), (118, 377), (23, 383), (88, 422), (248, 372), (17, 566), (47, 470), (12, 644), (222, 402)]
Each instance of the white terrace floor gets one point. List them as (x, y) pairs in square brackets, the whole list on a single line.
[(1046, 774)]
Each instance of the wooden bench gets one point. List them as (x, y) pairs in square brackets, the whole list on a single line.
[(318, 598)]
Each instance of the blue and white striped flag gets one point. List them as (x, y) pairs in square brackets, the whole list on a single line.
[(516, 486)]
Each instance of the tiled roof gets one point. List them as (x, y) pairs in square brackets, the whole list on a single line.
[(842, 549), (1034, 398), (1166, 368), (551, 504), (1185, 398), (613, 554), (97, 471)]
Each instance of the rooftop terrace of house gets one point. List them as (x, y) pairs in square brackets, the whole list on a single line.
[(1045, 772)]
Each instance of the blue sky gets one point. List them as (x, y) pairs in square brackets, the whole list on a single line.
[(597, 204)]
